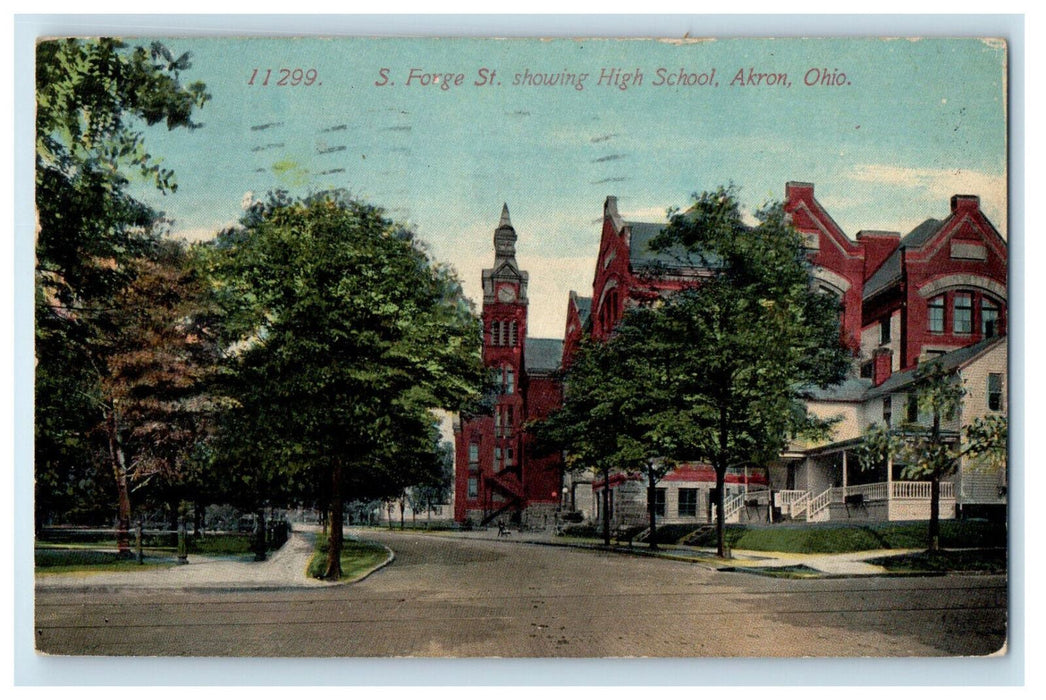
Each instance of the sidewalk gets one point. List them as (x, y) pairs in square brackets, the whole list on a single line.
[(843, 564), (284, 569)]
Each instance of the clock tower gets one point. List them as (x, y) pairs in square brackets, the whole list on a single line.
[(490, 477)]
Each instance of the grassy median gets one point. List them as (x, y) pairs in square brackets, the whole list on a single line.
[(357, 558)]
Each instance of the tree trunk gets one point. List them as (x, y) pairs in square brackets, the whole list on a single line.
[(651, 499), (606, 507), (119, 462), (720, 519), (935, 513), (935, 491), (402, 508), (337, 516)]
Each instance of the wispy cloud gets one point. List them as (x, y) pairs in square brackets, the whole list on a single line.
[(937, 185)]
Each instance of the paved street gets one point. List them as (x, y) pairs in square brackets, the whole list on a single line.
[(456, 597)]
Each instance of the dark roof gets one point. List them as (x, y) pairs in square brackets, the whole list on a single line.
[(640, 255), (951, 360), (850, 389), (584, 308), (890, 271), (542, 354)]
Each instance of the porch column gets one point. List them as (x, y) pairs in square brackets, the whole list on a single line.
[(889, 486), (844, 472)]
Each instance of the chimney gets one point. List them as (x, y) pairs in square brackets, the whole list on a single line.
[(799, 191), (610, 212), (883, 365), (965, 202), (878, 246)]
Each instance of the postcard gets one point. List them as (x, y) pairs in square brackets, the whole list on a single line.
[(521, 348)]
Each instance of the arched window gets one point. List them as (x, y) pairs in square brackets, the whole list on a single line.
[(962, 318), (510, 380), (513, 333), (495, 333), (504, 333)]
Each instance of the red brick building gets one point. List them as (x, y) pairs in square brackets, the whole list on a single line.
[(496, 476), (935, 291)]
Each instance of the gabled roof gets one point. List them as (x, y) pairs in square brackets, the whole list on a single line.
[(890, 271), (952, 360), (542, 354), (640, 255)]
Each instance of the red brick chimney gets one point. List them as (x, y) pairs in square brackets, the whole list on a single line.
[(878, 245), (883, 367), (965, 202)]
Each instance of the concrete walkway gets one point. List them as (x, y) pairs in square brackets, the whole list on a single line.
[(843, 564), (285, 568)]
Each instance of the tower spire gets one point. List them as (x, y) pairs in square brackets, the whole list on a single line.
[(505, 220)]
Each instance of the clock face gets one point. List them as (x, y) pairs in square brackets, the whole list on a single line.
[(507, 293)]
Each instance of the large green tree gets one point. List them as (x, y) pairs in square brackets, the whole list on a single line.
[(934, 450), (741, 348), (345, 336), (716, 372), (95, 99)]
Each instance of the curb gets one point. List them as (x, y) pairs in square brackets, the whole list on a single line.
[(391, 557)]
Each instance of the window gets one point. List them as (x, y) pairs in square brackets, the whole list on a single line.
[(497, 459), (687, 502), (510, 381), (504, 333), (936, 314), (513, 334), (510, 458), (887, 411), (962, 321), (913, 408), (867, 370), (994, 391), (497, 422), (884, 331), (495, 333), (659, 502), (989, 318), (473, 487), (474, 453), (509, 420)]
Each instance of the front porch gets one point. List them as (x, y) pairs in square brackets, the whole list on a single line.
[(879, 501)]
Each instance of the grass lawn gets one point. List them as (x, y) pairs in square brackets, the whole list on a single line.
[(830, 539), (970, 560), (357, 557), (65, 560), (69, 553)]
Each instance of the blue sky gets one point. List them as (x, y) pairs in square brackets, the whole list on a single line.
[(913, 122)]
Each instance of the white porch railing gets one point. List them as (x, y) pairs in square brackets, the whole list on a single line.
[(818, 508), (799, 501), (918, 490), (732, 506)]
